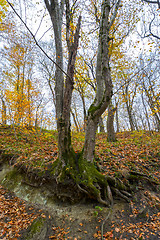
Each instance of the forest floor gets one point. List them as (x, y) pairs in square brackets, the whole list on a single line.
[(140, 219)]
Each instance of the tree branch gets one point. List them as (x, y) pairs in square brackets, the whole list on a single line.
[(115, 13), (150, 30), (47, 5), (152, 2), (35, 40)]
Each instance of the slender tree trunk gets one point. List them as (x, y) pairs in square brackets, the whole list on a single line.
[(117, 119), (151, 102), (36, 119), (4, 112), (101, 125), (75, 121), (110, 124), (56, 12), (17, 115), (131, 122), (84, 111)]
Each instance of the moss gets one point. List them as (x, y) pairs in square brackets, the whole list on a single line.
[(12, 174), (11, 179), (90, 175), (54, 166), (36, 228), (93, 108)]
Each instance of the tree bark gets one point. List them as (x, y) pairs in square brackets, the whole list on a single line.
[(110, 124), (117, 118), (101, 125), (4, 111), (104, 84), (63, 92), (75, 121)]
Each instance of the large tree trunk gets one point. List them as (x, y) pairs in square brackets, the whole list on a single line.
[(63, 92), (104, 84)]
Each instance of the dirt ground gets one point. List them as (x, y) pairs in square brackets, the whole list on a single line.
[(139, 219)]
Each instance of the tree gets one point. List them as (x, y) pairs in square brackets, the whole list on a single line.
[(19, 87), (3, 110), (150, 86), (81, 170), (64, 92), (128, 98), (110, 123), (72, 169)]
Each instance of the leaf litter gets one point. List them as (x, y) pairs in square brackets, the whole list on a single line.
[(136, 152)]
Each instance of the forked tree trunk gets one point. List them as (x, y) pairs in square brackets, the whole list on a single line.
[(80, 168), (104, 84), (65, 130)]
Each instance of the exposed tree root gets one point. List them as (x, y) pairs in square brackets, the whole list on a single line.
[(120, 194), (100, 200), (136, 176), (79, 178), (82, 190), (92, 183), (88, 181), (126, 193), (30, 184), (109, 194)]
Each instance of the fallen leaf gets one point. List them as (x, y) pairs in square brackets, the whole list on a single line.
[(117, 229)]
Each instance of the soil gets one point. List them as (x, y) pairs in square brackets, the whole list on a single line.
[(138, 219), (87, 220)]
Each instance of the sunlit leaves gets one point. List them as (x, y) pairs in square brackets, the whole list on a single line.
[(3, 10), (20, 91)]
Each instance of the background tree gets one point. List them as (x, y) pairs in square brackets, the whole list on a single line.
[(19, 89), (110, 123)]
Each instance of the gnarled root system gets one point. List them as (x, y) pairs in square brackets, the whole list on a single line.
[(91, 182)]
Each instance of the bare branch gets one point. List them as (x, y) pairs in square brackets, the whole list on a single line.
[(35, 40), (115, 13), (150, 30), (40, 22), (152, 2)]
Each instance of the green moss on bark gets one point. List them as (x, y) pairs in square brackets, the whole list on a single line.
[(94, 108)]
